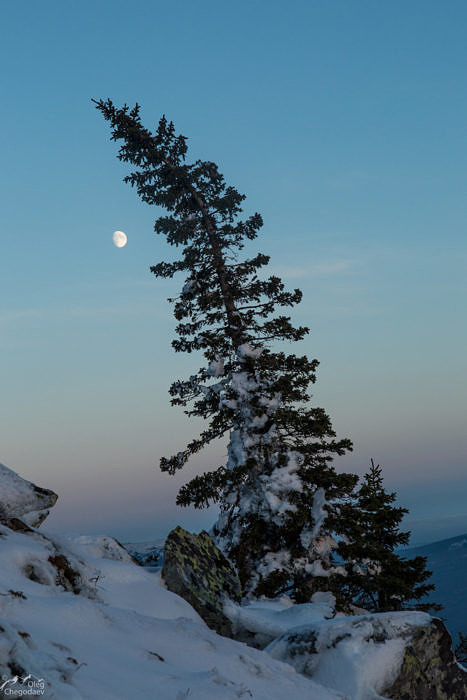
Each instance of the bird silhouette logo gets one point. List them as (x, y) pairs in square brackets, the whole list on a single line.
[(10, 681)]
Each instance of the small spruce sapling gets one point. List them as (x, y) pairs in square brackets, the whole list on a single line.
[(378, 578)]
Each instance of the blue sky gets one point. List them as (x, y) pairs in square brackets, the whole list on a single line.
[(345, 125)]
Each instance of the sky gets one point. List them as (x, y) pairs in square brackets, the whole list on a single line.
[(344, 123)]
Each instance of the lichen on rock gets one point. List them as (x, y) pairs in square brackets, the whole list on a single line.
[(429, 669), (196, 569)]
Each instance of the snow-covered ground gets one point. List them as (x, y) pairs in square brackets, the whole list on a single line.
[(268, 619), (124, 636), (358, 655), (81, 620)]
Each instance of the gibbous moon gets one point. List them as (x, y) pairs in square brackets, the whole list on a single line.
[(119, 238)]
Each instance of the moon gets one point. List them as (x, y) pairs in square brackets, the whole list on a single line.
[(119, 238)]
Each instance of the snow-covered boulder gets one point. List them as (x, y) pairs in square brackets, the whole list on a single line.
[(196, 569), (262, 621), (400, 655), (22, 499), (100, 546)]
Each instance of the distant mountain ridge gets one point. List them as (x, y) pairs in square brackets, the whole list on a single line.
[(447, 559)]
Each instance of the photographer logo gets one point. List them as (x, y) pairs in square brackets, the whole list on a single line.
[(18, 687)]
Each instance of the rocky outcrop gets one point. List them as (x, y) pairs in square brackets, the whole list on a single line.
[(429, 669), (23, 500), (406, 656), (132, 640), (196, 570)]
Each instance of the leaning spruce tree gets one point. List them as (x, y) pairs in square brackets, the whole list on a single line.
[(279, 494)]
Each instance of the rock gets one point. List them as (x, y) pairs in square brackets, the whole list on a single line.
[(22, 499), (17, 525), (67, 577), (400, 655), (196, 570), (429, 669)]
